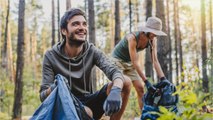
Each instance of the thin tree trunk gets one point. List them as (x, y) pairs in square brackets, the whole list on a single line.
[(148, 61), (17, 106), (58, 20), (130, 15), (179, 43), (92, 38), (53, 22), (85, 6), (137, 14), (27, 47), (163, 42), (4, 54), (0, 33), (176, 39), (203, 47), (10, 55), (117, 22), (112, 23), (211, 33), (43, 39), (68, 4), (170, 41), (33, 54)]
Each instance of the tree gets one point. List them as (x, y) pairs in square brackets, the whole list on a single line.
[(148, 60), (203, 46), (176, 39), (170, 41), (58, 20), (4, 53), (163, 42), (68, 4), (92, 35), (179, 43), (211, 33), (53, 23), (117, 22), (17, 106), (130, 15), (10, 55)]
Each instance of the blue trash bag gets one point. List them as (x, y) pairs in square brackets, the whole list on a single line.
[(58, 105), (163, 96)]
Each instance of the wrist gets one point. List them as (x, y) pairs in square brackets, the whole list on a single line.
[(115, 88)]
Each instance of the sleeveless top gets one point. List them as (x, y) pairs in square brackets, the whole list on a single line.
[(121, 50)]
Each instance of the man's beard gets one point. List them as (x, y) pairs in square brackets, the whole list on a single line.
[(75, 42)]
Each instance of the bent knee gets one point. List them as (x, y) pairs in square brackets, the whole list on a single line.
[(127, 83), (88, 111)]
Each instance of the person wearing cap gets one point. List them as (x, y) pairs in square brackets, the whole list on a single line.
[(125, 55)]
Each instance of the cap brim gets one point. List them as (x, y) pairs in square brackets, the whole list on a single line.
[(156, 32)]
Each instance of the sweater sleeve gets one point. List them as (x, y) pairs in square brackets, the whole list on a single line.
[(47, 77), (104, 63)]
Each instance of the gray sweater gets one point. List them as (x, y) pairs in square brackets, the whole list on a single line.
[(76, 70)]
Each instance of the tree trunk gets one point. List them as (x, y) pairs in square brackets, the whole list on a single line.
[(211, 33), (53, 23), (4, 53), (27, 47), (68, 4), (163, 42), (148, 61), (203, 46), (179, 43), (33, 54), (1, 34), (130, 15), (17, 106), (43, 39), (170, 41), (92, 36), (137, 19), (176, 39), (58, 20), (10, 55), (117, 22)]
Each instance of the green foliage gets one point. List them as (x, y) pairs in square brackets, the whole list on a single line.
[(190, 104), (4, 116), (6, 94), (30, 91), (132, 110)]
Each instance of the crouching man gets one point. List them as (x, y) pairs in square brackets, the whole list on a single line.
[(74, 57)]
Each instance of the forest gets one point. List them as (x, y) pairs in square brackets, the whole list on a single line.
[(28, 28)]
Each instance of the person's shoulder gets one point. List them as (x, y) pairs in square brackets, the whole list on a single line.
[(49, 52), (130, 36)]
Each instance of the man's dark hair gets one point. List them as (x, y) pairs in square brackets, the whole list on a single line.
[(68, 15)]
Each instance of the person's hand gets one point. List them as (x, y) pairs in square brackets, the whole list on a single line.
[(113, 102), (149, 86), (53, 86)]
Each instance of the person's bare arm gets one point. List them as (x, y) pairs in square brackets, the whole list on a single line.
[(134, 56), (156, 63)]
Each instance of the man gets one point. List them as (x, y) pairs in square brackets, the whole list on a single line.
[(125, 55), (74, 58)]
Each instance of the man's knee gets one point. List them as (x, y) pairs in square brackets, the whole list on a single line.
[(89, 111), (127, 83)]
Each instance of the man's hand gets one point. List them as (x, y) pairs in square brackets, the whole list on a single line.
[(149, 86), (113, 102), (53, 86)]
